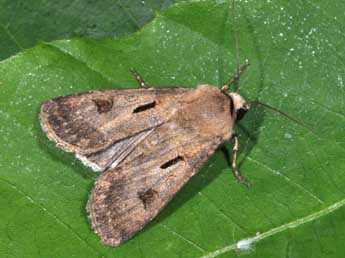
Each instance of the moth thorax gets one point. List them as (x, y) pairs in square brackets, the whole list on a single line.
[(239, 107)]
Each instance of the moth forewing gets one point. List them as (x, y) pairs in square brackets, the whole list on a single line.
[(77, 123), (113, 155)]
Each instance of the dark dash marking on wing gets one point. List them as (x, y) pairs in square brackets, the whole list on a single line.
[(171, 162), (145, 107)]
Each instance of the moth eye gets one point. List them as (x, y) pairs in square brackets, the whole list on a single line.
[(171, 162), (240, 113), (144, 107)]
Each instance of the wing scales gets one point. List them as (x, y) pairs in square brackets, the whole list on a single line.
[(89, 122), (126, 198), (114, 154)]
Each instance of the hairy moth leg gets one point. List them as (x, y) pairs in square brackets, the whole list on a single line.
[(140, 80), (235, 170)]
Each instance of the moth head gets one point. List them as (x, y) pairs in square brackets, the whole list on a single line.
[(238, 105)]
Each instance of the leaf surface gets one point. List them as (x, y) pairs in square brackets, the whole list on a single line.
[(23, 24), (296, 205)]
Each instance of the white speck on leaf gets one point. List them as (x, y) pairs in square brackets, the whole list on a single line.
[(288, 136), (245, 244), (340, 80)]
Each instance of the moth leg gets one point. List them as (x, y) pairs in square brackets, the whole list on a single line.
[(236, 77), (235, 170), (137, 76)]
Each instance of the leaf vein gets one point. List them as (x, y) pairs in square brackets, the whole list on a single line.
[(11, 36), (51, 214), (222, 213), (183, 238), (288, 180), (279, 229), (61, 50), (134, 20)]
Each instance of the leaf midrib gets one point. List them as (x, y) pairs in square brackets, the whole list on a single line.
[(293, 224)]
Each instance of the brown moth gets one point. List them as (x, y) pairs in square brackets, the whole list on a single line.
[(147, 142)]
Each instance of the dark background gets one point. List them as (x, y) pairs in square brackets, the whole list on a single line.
[(23, 23)]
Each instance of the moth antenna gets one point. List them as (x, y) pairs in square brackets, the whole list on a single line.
[(237, 51), (256, 102), (239, 69)]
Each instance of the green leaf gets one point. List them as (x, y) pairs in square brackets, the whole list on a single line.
[(295, 207), (25, 23)]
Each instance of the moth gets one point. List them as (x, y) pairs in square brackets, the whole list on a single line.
[(147, 142)]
